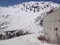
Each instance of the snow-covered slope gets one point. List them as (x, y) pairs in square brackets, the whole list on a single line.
[(24, 40), (27, 16)]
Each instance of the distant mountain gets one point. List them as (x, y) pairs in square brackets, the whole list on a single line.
[(27, 16)]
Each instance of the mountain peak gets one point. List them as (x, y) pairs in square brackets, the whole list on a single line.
[(38, 6), (27, 16)]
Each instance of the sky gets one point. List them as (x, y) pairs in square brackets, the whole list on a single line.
[(13, 2)]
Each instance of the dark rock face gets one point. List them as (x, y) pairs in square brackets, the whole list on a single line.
[(35, 7), (12, 34), (41, 22), (42, 38)]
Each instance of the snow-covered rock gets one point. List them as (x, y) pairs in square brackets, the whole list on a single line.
[(27, 16)]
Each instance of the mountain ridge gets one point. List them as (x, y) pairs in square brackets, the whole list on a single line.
[(26, 16)]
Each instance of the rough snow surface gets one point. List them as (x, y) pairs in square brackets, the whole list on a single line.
[(24, 40)]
